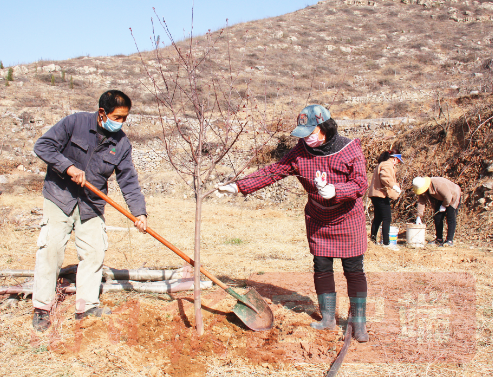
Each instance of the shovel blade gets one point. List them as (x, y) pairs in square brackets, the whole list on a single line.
[(261, 320)]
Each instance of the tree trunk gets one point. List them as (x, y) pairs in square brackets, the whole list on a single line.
[(199, 324)]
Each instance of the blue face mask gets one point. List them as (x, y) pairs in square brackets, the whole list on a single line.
[(111, 125)]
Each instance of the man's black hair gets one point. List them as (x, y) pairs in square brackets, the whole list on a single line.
[(112, 99), (328, 128)]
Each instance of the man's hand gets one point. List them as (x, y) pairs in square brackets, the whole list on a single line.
[(141, 223), (229, 189), (78, 176)]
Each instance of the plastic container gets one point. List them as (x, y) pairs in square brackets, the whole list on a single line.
[(393, 233), (415, 235)]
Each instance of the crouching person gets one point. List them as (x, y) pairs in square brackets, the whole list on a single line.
[(82, 146), (332, 169), (444, 196)]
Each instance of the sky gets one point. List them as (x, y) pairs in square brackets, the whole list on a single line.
[(33, 30)]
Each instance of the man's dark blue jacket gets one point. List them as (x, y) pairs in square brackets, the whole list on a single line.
[(74, 141)]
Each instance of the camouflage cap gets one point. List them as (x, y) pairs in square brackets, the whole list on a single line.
[(309, 118)]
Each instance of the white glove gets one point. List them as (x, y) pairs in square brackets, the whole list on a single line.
[(418, 220), (229, 189), (327, 192), (320, 179), (396, 189), (442, 209)]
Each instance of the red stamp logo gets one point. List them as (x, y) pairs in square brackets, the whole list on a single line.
[(302, 119)]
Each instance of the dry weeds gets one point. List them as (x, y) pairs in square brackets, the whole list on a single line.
[(407, 51), (272, 240)]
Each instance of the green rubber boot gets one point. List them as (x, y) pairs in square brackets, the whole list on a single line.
[(327, 303), (358, 314)]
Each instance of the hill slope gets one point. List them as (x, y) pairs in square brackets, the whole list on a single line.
[(364, 59), (382, 59)]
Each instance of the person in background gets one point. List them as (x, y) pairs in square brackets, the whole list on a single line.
[(444, 197), (82, 146), (332, 169), (384, 187)]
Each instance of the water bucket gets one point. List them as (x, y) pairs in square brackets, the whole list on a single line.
[(393, 233), (415, 235)]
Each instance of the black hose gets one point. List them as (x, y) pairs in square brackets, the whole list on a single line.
[(334, 368)]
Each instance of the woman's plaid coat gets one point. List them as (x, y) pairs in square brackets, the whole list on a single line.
[(334, 227)]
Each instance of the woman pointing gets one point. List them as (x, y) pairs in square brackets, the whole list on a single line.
[(332, 170)]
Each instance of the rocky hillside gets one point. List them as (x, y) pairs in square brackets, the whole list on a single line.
[(371, 58), (367, 60)]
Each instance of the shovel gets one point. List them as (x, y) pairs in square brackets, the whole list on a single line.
[(250, 308)]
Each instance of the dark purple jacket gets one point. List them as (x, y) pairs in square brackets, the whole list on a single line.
[(74, 141)]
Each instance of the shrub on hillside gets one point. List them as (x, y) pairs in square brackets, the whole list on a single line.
[(374, 53), (147, 99), (49, 78), (84, 104), (10, 74), (425, 58), (390, 71), (467, 58), (36, 101), (385, 82), (443, 17), (418, 46), (396, 109), (270, 154), (487, 65)]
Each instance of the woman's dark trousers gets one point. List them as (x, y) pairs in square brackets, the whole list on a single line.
[(451, 214), (382, 215), (356, 288)]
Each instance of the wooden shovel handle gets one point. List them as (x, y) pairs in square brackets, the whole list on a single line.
[(177, 251)]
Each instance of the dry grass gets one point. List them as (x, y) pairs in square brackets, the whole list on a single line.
[(272, 240), (388, 55)]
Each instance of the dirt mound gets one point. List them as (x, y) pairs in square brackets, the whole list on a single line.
[(408, 313), (143, 332)]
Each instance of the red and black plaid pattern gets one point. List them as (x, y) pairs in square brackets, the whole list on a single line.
[(339, 232)]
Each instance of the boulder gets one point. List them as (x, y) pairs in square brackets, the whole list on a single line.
[(488, 167), (278, 34), (488, 185), (51, 68), (20, 69)]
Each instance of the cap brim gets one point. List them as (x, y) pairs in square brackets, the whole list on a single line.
[(303, 131), (398, 156), (425, 187)]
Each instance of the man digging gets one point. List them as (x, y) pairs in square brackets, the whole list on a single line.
[(82, 146)]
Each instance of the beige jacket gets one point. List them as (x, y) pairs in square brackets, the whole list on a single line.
[(383, 180), (442, 190)]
